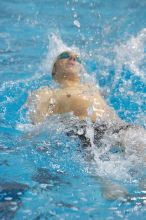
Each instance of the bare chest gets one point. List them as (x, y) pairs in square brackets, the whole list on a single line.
[(75, 101)]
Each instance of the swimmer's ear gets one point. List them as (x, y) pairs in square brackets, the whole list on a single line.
[(54, 70)]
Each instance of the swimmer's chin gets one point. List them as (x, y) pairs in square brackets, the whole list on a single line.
[(71, 74), (71, 68)]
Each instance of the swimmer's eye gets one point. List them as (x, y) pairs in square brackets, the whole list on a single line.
[(66, 55)]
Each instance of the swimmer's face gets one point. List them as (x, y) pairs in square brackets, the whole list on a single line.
[(67, 67)]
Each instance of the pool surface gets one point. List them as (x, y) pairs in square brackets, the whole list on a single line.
[(45, 174)]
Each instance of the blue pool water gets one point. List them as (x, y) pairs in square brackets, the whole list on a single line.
[(48, 175)]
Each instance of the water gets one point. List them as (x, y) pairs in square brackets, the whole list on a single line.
[(48, 175)]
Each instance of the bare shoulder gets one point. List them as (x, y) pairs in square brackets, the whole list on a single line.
[(43, 91), (92, 87), (41, 94)]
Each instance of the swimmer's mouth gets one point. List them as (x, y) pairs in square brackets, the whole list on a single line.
[(71, 63)]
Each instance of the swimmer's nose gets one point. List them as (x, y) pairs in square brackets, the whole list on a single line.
[(72, 60)]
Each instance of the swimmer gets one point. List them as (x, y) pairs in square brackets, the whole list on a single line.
[(77, 97), (72, 96)]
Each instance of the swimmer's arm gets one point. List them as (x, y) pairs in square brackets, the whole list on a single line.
[(37, 103), (109, 112)]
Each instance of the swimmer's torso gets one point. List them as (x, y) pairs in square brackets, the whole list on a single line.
[(82, 100)]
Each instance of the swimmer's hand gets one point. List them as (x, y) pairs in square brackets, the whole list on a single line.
[(112, 191)]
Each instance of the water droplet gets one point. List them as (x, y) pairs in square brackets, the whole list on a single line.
[(77, 23), (75, 15), (8, 198)]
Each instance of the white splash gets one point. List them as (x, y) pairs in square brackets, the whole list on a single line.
[(132, 54), (120, 165)]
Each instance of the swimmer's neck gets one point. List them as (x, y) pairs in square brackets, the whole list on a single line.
[(70, 83)]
